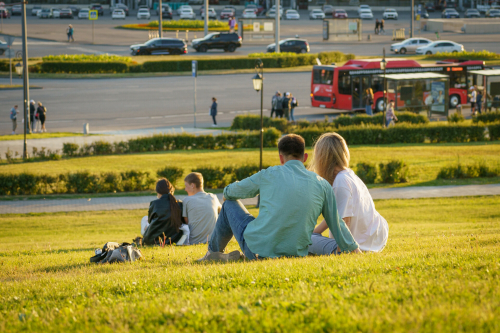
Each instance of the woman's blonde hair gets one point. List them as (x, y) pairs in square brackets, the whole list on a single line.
[(330, 151)]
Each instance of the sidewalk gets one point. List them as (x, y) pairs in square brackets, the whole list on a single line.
[(99, 204)]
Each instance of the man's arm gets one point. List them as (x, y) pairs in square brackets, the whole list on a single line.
[(247, 188), (320, 228), (340, 232)]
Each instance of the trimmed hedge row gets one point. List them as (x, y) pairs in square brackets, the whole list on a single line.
[(252, 122), (218, 177), (403, 117), (81, 67), (487, 117), (164, 142), (460, 171)]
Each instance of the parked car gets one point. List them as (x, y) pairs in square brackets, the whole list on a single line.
[(66, 13), (429, 6), (143, 13), (249, 13), (187, 14), (160, 46), (56, 13), (217, 40), (35, 10), (493, 13), (423, 14), (195, 2), (366, 14), (226, 13), (440, 46), (4, 13), (98, 7), (83, 13), (3, 46), (339, 13), (118, 14), (363, 7), (316, 14), (327, 9), (271, 13), (292, 14), (450, 13), (181, 8), (409, 45), (75, 10), (16, 10), (472, 13), (390, 13), (258, 9), (122, 7), (212, 14), (290, 45), (46, 13), (166, 11)]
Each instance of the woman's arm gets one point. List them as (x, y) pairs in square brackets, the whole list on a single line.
[(320, 228)]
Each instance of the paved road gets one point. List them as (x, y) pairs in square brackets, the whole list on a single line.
[(99, 204), (155, 102)]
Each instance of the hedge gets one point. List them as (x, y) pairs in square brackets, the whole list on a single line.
[(464, 55), (252, 122), (460, 171), (164, 142), (487, 117), (87, 58), (403, 117), (218, 177), (81, 67), (494, 131)]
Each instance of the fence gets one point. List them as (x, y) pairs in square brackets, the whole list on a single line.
[(398, 34)]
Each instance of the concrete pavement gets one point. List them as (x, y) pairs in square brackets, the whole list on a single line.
[(142, 202)]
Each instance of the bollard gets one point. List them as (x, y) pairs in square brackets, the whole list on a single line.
[(459, 108), (86, 128), (176, 33), (187, 31), (369, 37)]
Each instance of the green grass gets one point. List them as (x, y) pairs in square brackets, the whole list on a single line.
[(439, 273), (39, 136), (87, 58), (424, 160)]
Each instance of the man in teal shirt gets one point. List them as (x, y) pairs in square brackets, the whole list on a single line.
[(291, 200)]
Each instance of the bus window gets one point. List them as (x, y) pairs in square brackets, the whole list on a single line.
[(344, 83), (458, 80), (323, 76), (377, 83)]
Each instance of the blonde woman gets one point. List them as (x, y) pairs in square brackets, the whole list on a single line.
[(354, 202)]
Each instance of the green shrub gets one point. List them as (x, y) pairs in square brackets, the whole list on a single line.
[(487, 117), (456, 118), (465, 55), (459, 171), (494, 131), (82, 67), (70, 149), (367, 172), (87, 58), (394, 172), (191, 24), (252, 122), (4, 66), (215, 177), (171, 173), (403, 117)]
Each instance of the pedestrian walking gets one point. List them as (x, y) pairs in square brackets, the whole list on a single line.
[(377, 26), (390, 116), (286, 106), (42, 115), (479, 101), (274, 100), (279, 106), (213, 110), (293, 104), (69, 32), (232, 24), (13, 116), (32, 115), (473, 95), (382, 31), (369, 101)]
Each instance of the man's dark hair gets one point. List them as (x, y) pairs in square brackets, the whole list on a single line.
[(292, 145)]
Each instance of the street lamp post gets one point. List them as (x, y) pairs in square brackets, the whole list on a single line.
[(383, 65), (258, 85), (160, 19), (26, 89)]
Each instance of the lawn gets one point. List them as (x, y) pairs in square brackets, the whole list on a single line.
[(424, 160), (439, 273), (39, 136)]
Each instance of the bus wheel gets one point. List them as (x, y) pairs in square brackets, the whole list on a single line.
[(454, 101), (380, 105)]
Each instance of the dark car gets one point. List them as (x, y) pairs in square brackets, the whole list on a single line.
[(492, 13), (74, 10), (430, 7), (450, 13), (470, 13), (328, 9), (17, 10), (66, 13), (217, 40), (160, 46), (339, 13), (100, 10), (4, 13), (166, 11), (423, 14), (290, 45)]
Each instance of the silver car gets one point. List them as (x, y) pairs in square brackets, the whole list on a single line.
[(409, 45)]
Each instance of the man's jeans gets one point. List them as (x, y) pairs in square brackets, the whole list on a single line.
[(232, 221), (322, 246)]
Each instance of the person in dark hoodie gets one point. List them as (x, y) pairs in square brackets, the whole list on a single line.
[(164, 220)]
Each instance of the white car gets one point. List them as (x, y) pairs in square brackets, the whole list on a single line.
[(366, 14), (249, 13), (390, 13), (143, 13), (363, 7), (187, 14), (440, 46), (35, 10), (56, 13), (83, 13), (409, 45), (118, 14), (316, 14), (212, 14), (272, 13), (181, 8), (292, 14), (46, 13)]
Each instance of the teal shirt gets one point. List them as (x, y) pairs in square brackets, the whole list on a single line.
[(291, 200)]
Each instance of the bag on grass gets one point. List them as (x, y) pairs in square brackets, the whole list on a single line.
[(114, 252)]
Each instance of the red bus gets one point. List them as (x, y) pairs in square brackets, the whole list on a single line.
[(343, 87)]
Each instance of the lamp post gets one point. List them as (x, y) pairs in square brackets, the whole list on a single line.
[(19, 69), (383, 65), (160, 19), (26, 89), (258, 85)]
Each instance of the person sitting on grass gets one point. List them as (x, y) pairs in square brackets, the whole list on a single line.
[(200, 209), (354, 202), (163, 225), (291, 200)]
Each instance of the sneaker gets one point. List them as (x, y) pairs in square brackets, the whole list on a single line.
[(219, 256), (13, 133)]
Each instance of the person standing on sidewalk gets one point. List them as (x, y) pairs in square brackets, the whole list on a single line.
[(369, 101), (390, 116), (274, 101), (42, 113), (69, 32), (286, 106), (13, 116), (232, 24), (213, 110), (473, 95), (279, 106), (32, 115), (479, 101), (377, 26), (293, 104), (382, 31)]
